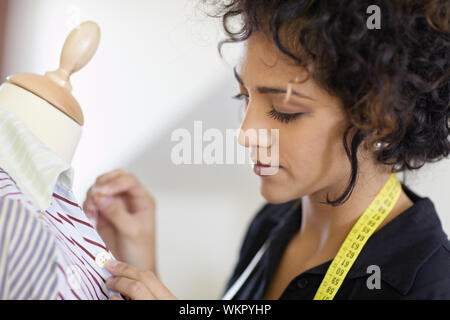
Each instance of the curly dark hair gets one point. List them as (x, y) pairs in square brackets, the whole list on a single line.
[(393, 81)]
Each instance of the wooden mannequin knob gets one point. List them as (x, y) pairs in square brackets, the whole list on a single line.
[(79, 47), (55, 87)]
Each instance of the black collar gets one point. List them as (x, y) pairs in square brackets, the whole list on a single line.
[(399, 248)]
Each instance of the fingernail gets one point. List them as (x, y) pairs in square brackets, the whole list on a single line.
[(103, 201), (101, 189), (106, 203), (90, 207), (111, 264)]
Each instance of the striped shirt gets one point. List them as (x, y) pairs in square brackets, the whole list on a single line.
[(26, 271), (48, 248)]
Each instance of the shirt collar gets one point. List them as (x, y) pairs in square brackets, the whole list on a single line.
[(399, 248), (32, 165)]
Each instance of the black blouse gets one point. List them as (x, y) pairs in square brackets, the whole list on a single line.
[(412, 252)]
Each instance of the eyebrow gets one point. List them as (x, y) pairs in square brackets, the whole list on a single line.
[(263, 89)]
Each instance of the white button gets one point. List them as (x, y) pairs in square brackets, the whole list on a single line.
[(101, 258)]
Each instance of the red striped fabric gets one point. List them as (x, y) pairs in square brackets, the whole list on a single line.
[(77, 241), (75, 255), (57, 196), (81, 221)]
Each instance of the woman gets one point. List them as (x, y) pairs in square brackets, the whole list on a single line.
[(353, 105)]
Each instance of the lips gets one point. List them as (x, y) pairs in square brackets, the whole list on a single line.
[(265, 169), (259, 163), (262, 165)]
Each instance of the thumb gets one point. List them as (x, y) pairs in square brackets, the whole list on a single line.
[(112, 210), (120, 184)]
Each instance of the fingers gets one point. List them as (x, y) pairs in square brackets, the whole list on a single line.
[(128, 187), (158, 289), (117, 268), (119, 182), (115, 213), (88, 205), (134, 289), (116, 184), (115, 298), (153, 285), (104, 178)]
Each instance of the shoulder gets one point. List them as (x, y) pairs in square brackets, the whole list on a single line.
[(421, 251), (432, 280), (10, 190)]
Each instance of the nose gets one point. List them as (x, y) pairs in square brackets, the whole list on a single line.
[(254, 131)]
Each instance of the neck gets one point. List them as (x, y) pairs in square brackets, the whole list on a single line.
[(54, 129), (328, 226)]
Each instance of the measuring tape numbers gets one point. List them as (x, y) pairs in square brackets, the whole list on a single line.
[(366, 225)]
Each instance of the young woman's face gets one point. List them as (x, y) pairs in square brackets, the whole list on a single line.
[(311, 153)]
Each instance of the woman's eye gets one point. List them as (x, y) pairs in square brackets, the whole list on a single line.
[(279, 116), (244, 97), (240, 96), (283, 117)]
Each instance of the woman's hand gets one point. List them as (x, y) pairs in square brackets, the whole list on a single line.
[(135, 284), (124, 212)]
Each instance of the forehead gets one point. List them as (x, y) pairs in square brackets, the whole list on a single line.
[(263, 64), (262, 59)]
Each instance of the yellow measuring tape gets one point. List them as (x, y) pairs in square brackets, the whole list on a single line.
[(366, 225)]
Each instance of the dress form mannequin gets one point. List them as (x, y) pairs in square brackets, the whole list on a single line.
[(45, 103), (49, 249)]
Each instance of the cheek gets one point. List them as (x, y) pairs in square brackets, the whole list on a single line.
[(305, 155), (312, 154)]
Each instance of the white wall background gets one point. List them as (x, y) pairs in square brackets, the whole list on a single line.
[(157, 69)]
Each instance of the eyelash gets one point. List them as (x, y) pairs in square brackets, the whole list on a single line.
[(279, 116)]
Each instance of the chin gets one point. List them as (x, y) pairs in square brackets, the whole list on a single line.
[(276, 195)]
